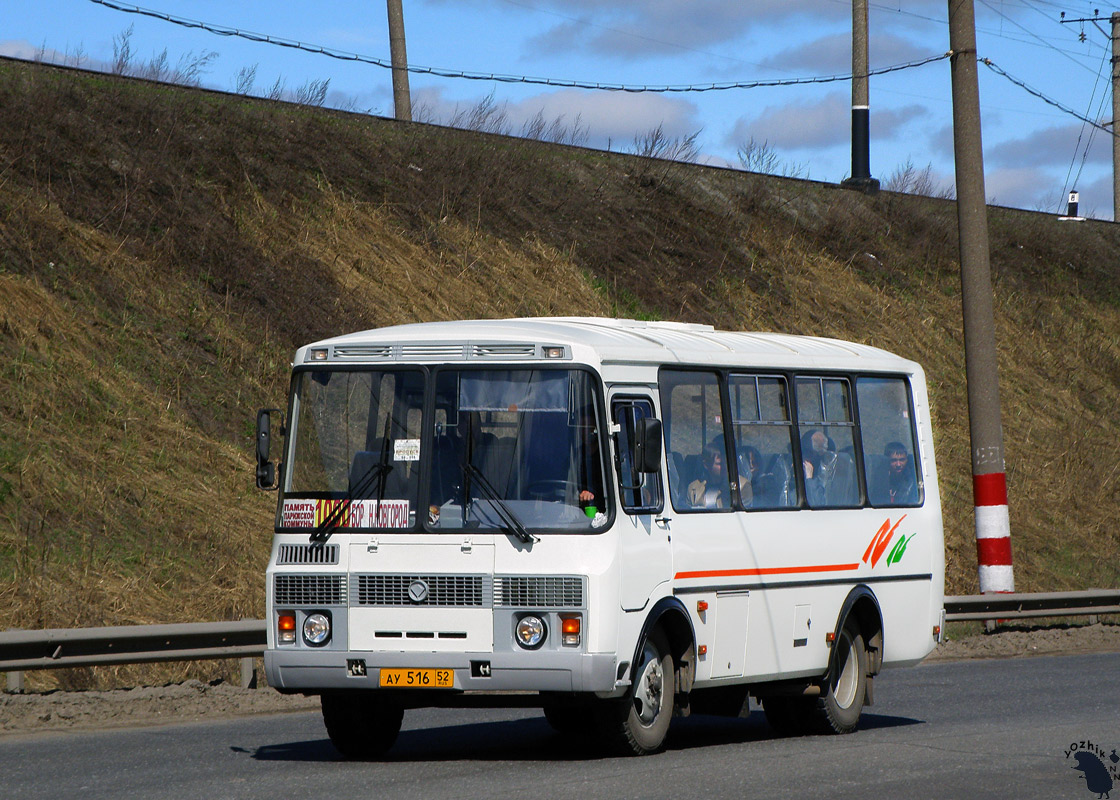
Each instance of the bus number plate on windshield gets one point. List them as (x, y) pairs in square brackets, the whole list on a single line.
[(418, 678)]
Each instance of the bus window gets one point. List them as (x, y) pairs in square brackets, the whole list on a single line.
[(763, 441), (696, 450), (524, 442), (641, 492), (357, 443), (827, 429), (889, 451)]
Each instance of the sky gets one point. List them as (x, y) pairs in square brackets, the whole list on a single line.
[(1035, 153)]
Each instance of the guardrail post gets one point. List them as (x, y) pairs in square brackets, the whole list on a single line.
[(248, 673), (15, 683)]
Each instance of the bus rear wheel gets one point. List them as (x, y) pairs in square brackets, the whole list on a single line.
[(838, 708), (842, 696), (361, 726), (639, 724)]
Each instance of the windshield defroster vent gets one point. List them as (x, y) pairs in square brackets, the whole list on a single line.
[(307, 554)]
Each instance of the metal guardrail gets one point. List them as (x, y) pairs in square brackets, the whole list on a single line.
[(135, 644), (1033, 604), (130, 644)]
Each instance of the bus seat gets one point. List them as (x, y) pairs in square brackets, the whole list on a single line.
[(842, 491)]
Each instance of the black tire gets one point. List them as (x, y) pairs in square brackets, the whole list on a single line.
[(843, 694), (838, 708), (361, 726), (638, 724)]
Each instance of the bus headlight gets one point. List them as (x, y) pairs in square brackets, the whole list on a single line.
[(530, 631), (316, 629)]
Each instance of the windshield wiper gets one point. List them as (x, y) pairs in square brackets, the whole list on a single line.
[(512, 523), (376, 472)]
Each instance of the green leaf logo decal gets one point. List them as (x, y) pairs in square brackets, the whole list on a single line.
[(899, 549)]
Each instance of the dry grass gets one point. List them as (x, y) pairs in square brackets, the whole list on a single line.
[(158, 267)]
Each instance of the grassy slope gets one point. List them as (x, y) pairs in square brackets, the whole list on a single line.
[(163, 251)]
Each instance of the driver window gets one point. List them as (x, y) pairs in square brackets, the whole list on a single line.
[(640, 492)]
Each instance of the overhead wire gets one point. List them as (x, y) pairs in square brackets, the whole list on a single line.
[(987, 62), (1081, 133), (342, 55)]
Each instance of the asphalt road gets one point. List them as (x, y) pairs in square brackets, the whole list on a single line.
[(964, 729)]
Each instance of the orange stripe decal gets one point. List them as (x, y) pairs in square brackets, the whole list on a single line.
[(734, 573)]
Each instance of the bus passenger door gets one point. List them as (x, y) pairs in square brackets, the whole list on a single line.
[(644, 550)]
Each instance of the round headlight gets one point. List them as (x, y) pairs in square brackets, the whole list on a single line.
[(530, 631), (316, 629)]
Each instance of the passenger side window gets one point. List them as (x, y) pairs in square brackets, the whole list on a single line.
[(696, 450), (889, 450), (763, 431), (640, 492), (827, 430)]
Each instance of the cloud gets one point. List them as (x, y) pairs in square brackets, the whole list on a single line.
[(656, 27), (822, 124), (833, 54), (1020, 187), (22, 49), (608, 117), (1052, 146)]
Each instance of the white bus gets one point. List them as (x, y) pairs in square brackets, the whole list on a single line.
[(611, 520)]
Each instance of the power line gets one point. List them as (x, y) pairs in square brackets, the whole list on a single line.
[(499, 78), (987, 62), (1081, 132)]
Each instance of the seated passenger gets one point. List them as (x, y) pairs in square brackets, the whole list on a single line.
[(710, 489), (902, 488), (818, 459)]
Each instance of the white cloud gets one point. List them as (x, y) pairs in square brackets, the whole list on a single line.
[(799, 125), (21, 48), (609, 117), (1056, 146), (833, 54), (1021, 187)]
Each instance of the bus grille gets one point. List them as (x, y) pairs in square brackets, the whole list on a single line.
[(309, 590), (538, 592), (307, 554), (392, 590)]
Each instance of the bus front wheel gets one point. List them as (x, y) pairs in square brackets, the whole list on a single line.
[(361, 726), (638, 725)]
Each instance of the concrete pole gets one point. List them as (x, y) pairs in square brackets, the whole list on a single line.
[(1115, 116), (989, 483), (402, 100), (861, 111)]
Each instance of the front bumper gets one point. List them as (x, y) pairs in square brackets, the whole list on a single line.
[(311, 671)]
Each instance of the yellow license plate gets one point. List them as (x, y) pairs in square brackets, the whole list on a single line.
[(418, 678)]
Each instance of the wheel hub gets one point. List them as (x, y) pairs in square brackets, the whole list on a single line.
[(648, 692)]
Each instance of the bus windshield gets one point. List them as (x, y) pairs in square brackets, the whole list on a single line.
[(523, 441), (357, 445), (506, 448)]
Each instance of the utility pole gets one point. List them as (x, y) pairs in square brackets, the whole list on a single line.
[(1114, 38), (402, 101), (1115, 115), (989, 482), (861, 112)]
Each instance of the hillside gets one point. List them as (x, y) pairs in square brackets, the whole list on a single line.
[(164, 250)]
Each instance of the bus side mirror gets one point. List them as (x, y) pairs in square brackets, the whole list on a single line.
[(647, 445), (266, 470)]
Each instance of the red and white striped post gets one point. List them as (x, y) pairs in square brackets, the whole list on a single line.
[(993, 533), (989, 484)]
